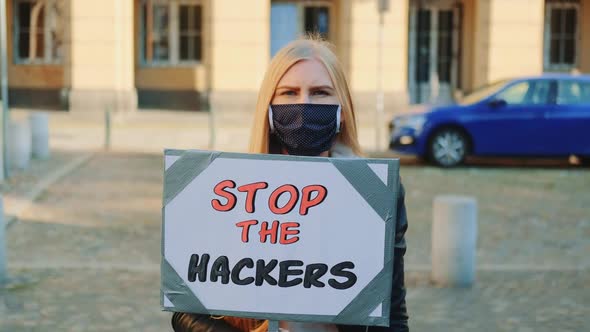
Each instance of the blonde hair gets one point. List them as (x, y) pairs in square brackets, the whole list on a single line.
[(307, 48), (247, 324)]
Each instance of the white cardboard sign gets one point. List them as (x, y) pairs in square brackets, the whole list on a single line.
[(278, 237)]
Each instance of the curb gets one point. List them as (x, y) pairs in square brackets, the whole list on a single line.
[(31, 196)]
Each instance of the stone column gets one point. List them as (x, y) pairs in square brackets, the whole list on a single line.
[(506, 42), (584, 32), (358, 38), (240, 53), (99, 56)]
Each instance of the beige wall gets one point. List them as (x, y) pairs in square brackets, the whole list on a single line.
[(172, 78), (100, 65), (240, 47), (585, 36), (240, 52), (100, 49), (507, 43), (359, 39), (30, 76), (468, 45)]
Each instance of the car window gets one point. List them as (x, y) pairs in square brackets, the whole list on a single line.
[(482, 93), (515, 94), (585, 92), (538, 94), (573, 93)]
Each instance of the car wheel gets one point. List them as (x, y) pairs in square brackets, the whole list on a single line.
[(448, 147)]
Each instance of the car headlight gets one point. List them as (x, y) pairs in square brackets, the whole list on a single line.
[(415, 122)]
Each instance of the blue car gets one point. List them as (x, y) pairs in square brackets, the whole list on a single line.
[(547, 115)]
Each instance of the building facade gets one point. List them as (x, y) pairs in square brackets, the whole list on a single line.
[(88, 55)]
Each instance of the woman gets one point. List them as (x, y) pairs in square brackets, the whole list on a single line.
[(304, 108)]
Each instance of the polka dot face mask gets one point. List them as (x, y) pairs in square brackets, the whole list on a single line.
[(305, 129)]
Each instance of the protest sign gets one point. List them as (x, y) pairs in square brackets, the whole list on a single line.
[(278, 237)]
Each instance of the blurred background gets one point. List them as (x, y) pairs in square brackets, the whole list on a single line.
[(117, 81), (83, 56)]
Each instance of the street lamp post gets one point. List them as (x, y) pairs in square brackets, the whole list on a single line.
[(382, 8), (4, 86), (4, 168)]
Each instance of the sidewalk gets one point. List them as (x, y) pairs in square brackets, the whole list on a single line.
[(153, 131), (83, 256), (88, 248), (23, 187)]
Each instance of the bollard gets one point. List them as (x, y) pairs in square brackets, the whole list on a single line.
[(3, 276), (454, 240), (19, 144), (40, 135)]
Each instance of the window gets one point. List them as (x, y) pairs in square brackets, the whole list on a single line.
[(573, 93), (190, 33), (515, 94), (445, 45), (291, 19), (38, 31), (481, 93), (539, 93), (317, 20), (171, 32), (534, 92), (561, 34), (423, 46)]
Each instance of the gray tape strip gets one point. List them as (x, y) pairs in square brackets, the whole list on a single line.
[(369, 298), (184, 170), (388, 262), (174, 288), (369, 186), (379, 289), (162, 232), (173, 152), (393, 183)]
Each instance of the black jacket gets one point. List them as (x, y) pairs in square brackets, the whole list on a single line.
[(184, 322)]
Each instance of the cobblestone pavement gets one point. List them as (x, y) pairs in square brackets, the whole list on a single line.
[(85, 255), (20, 181)]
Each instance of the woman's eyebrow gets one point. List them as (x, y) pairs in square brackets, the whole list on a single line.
[(322, 87), (288, 87)]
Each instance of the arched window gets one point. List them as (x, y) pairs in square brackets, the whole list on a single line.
[(38, 31)]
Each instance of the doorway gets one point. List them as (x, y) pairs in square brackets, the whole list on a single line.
[(291, 19), (434, 51)]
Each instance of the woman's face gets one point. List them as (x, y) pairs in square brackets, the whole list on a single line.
[(306, 82)]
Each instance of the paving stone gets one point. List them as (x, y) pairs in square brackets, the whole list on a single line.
[(86, 254)]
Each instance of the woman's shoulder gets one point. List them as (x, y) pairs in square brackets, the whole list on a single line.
[(340, 150)]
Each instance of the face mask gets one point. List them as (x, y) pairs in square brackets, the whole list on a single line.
[(305, 129)]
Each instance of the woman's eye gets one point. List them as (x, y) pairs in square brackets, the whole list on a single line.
[(288, 93), (321, 93)]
